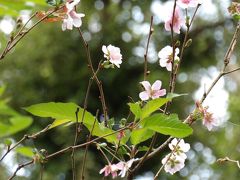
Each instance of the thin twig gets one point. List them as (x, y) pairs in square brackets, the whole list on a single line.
[(14, 40), (41, 171), (221, 160), (25, 137), (146, 51), (172, 153), (176, 70), (86, 143), (86, 149), (99, 83), (20, 167), (75, 142), (226, 62)]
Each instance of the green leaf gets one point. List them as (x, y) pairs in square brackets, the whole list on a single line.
[(56, 110), (168, 125), (174, 95), (25, 151), (143, 148), (152, 106), (8, 142), (135, 109), (140, 135), (236, 16), (6, 110), (65, 112), (59, 122), (16, 124)]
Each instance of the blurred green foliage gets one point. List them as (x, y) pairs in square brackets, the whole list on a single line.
[(51, 65)]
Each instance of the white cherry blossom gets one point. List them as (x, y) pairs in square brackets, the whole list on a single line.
[(72, 19), (173, 163), (179, 148), (166, 57), (112, 54)]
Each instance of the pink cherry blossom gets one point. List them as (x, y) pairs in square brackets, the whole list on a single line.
[(111, 168), (153, 91), (166, 57), (124, 167), (188, 3), (209, 121), (173, 163), (179, 148), (112, 54), (72, 18), (177, 20)]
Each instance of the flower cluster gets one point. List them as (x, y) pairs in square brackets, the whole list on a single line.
[(113, 169), (174, 161), (72, 18), (208, 119), (175, 19), (153, 91), (112, 54)]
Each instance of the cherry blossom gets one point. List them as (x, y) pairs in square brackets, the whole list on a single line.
[(188, 3), (166, 57), (179, 148), (124, 166), (177, 20), (72, 18), (111, 168), (153, 91), (173, 163), (209, 121), (112, 54)]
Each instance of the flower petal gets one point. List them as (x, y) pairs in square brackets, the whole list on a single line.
[(144, 96), (157, 85), (146, 85), (104, 49)]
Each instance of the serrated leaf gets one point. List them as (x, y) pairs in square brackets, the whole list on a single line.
[(152, 106), (168, 125), (25, 151), (135, 109), (140, 135)]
